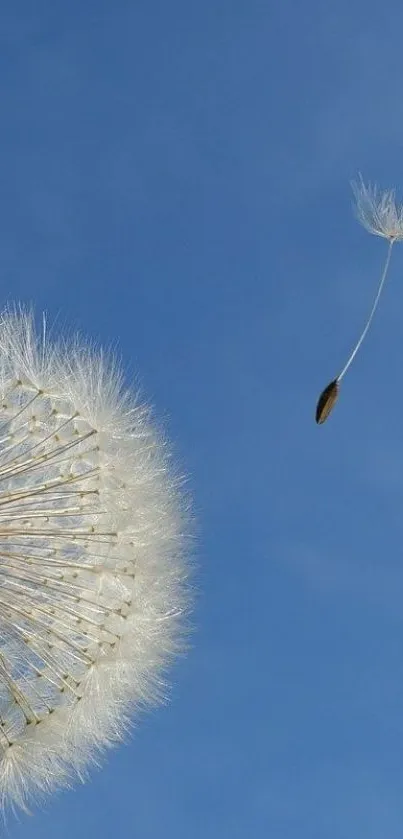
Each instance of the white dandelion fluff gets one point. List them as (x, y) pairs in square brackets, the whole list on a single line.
[(378, 211), (380, 215), (93, 582)]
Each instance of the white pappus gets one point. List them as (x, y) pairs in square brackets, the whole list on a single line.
[(94, 586)]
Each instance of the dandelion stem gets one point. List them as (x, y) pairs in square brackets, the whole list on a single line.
[(371, 315)]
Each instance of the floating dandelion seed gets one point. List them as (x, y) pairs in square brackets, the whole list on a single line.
[(92, 564), (326, 401), (380, 215)]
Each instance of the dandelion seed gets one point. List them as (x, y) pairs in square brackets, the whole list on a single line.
[(326, 401), (93, 587), (379, 213)]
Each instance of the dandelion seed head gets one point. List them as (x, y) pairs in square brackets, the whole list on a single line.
[(378, 211), (93, 571)]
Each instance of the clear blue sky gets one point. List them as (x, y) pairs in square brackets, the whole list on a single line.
[(174, 180)]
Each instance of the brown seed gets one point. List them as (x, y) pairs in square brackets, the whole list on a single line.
[(326, 401)]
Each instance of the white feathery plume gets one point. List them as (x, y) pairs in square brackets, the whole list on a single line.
[(93, 570), (380, 215), (378, 211)]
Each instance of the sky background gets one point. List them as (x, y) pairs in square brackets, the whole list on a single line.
[(175, 182)]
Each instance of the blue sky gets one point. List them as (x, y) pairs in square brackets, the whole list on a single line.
[(175, 182)]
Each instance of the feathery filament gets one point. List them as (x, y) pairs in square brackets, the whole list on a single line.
[(92, 573)]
